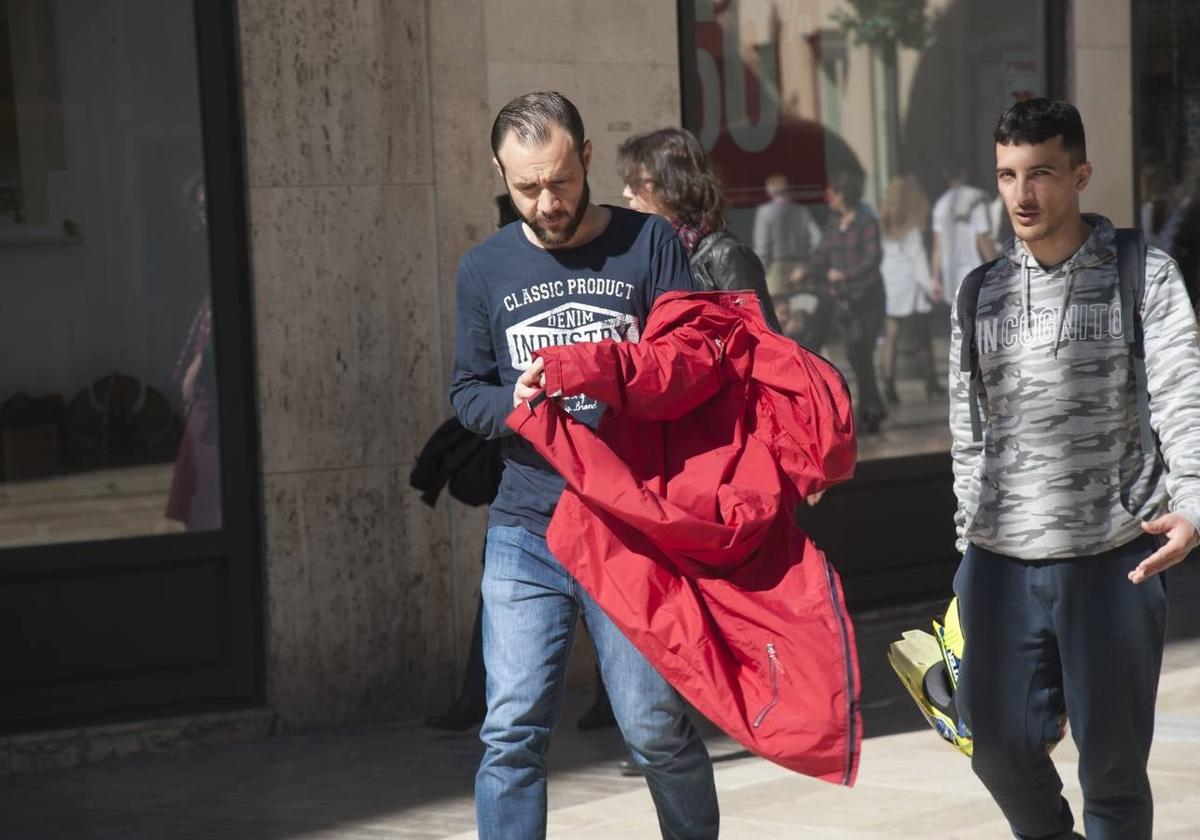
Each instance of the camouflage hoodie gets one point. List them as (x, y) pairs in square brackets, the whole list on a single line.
[(1060, 472)]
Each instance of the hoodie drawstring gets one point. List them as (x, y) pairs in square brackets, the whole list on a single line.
[(1062, 310), (1026, 305), (1095, 252)]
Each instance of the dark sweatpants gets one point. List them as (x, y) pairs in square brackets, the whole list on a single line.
[(1073, 636)]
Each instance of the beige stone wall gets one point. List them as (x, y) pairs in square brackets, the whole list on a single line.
[(369, 175), (618, 61), (348, 318), (1101, 86)]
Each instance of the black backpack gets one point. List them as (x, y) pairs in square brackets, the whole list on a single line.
[(1131, 268)]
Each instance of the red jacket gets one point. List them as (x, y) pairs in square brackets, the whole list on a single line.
[(678, 518)]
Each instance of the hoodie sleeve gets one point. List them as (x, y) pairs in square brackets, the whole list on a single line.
[(479, 399), (966, 454), (663, 377), (1173, 378)]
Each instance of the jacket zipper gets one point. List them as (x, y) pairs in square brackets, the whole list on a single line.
[(850, 683), (774, 665)]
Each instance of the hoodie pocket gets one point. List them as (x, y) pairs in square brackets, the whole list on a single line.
[(1140, 486), (1078, 507)]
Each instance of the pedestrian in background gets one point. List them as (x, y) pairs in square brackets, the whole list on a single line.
[(962, 232), (666, 172), (846, 267), (785, 235), (907, 283)]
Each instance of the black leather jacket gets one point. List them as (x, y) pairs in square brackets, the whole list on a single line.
[(721, 261)]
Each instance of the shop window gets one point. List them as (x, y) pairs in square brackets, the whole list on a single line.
[(788, 96), (108, 391), (36, 196), (1167, 92)]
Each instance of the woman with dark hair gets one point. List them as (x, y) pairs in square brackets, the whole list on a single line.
[(666, 172), (847, 264)]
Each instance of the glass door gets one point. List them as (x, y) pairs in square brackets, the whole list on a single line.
[(128, 520)]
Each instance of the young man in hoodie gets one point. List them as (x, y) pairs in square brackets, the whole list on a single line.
[(1066, 524)]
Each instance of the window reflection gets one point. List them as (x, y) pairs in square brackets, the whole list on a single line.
[(1169, 135), (108, 392), (791, 96)]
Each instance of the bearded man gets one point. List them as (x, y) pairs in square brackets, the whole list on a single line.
[(568, 271)]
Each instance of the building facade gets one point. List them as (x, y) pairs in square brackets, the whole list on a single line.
[(228, 245)]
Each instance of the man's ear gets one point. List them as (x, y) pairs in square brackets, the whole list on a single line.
[(498, 167), (1083, 176), (586, 154)]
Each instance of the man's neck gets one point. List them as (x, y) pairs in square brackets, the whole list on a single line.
[(595, 221), (1062, 246)]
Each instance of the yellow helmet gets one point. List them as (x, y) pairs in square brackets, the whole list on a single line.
[(928, 666)]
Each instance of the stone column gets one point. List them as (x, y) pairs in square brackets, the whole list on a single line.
[(1101, 86), (369, 173), (349, 317)]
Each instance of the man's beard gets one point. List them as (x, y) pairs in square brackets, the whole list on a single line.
[(553, 239)]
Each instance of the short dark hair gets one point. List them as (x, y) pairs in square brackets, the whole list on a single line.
[(532, 116), (848, 183), (1035, 121), (684, 183)]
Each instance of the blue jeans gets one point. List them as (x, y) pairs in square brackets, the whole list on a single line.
[(1071, 636), (530, 607)]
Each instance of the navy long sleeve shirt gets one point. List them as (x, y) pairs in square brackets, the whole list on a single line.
[(514, 298)]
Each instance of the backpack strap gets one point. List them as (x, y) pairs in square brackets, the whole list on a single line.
[(1131, 267), (968, 354)]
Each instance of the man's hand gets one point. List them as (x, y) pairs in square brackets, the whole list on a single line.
[(835, 276), (1181, 538), (813, 498), (530, 382), (937, 292)]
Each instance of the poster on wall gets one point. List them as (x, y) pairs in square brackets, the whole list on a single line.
[(1020, 77)]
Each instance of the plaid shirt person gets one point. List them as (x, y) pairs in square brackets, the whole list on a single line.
[(856, 252)]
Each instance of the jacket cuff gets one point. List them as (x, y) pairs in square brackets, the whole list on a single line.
[(528, 411), (554, 374)]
